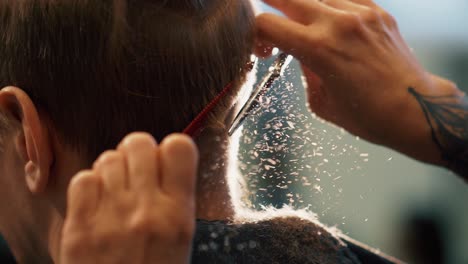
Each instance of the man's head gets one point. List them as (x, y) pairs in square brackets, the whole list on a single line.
[(85, 73)]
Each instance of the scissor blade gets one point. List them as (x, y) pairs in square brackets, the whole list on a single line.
[(277, 69)]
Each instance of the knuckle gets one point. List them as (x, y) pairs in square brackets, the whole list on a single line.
[(81, 180), (176, 144), (368, 2), (109, 157), (388, 18), (370, 16), (143, 223), (138, 139), (349, 22)]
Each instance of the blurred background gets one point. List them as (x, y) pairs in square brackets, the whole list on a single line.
[(413, 211)]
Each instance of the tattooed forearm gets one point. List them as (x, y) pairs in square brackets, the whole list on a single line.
[(448, 118)]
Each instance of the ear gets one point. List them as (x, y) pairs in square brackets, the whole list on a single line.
[(33, 144)]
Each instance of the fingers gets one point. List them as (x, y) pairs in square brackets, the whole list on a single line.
[(140, 151), (286, 34), (157, 220), (83, 195), (305, 11), (112, 167), (368, 3), (138, 163), (301, 11), (179, 161), (344, 5)]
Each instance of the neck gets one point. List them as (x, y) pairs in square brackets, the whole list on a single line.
[(55, 238), (213, 192), (42, 243)]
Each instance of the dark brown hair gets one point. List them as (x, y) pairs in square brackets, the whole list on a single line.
[(288, 240), (100, 69)]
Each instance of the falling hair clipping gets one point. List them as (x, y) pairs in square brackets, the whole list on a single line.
[(275, 71), (251, 64)]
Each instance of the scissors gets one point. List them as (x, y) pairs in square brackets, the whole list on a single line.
[(276, 70)]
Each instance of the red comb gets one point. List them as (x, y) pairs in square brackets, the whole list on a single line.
[(196, 124)]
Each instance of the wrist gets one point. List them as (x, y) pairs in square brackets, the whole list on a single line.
[(407, 129), (423, 122)]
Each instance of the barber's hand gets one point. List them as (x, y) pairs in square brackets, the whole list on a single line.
[(136, 205), (358, 68)]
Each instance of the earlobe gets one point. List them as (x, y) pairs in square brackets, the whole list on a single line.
[(34, 180), (32, 144), (31, 170)]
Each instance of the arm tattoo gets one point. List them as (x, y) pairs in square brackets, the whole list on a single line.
[(448, 118)]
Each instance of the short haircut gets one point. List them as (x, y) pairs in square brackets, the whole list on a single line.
[(99, 69), (279, 240)]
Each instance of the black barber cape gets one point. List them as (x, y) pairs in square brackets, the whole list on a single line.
[(283, 240), (280, 240)]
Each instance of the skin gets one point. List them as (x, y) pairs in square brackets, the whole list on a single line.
[(36, 168), (352, 85), (137, 204), (139, 197), (346, 47)]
